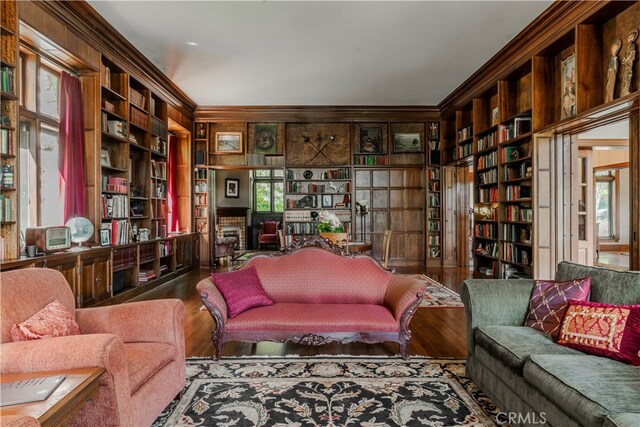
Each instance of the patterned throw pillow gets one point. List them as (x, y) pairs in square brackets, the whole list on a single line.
[(603, 330), (241, 290), (549, 301), (52, 321)]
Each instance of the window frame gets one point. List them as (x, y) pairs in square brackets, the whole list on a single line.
[(271, 180), (614, 220)]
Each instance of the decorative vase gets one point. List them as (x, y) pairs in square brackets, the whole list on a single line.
[(338, 239)]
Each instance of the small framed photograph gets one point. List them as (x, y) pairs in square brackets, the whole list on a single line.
[(105, 158), (495, 116), (232, 188), (104, 237), (327, 201), (370, 140), (229, 142), (407, 143), (266, 139)]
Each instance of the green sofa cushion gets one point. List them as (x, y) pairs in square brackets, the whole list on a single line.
[(607, 286), (622, 419), (587, 387), (513, 345)]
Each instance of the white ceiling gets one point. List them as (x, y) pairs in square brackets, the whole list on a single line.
[(318, 53)]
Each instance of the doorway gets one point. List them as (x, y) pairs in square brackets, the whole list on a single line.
[(458, 212)]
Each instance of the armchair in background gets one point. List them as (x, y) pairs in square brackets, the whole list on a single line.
[(139, 344), (225, 248), (268, 234)]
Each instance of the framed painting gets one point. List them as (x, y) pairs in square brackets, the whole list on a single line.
[(568, 87), (266, 139), (407, 143), (370, 140), (232, 188), (229, 142)]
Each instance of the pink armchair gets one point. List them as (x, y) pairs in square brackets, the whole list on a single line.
[(141, 346), (268, 234)]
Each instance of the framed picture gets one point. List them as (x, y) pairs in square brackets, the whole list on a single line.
[(495, 116), (568, 86), (232, 188), (104, 237), (407, 143), (228, 142), (327, 201), (105, 158), (370, 140), (266, 139)]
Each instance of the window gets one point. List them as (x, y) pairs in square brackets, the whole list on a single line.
[(40, 194), (605, 190), (268, 190)]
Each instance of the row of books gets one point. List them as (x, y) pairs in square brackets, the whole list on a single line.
[(159, 190), (7, 83), (434, 225), (434, 240), (433, 173), (434, 200), (518, 214), (6, 209), (105, 77), (515, 254), (114, 184), (200, 212), (114, 127), (138, 118), (519, 126), (119, 231), (434, 145), (137, 98), (487, 141), (114, 206), (465, 150), (465, 133), (341, 173), (487, 160), (487, 195), (434, 252), (146, 275), (264, 160), (487, 231), (488, 177), (200, 187), (201, 173), (165, 248), (158, 126), (516, 233), (517, 192), (201, 199), (301, 228), (489, 249), (7, 143), (434, 212), (366, 160), (7, 176), (434, 186), (522, 170), (159, 145)]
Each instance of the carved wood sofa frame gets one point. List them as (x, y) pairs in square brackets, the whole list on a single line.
[(220, 336)]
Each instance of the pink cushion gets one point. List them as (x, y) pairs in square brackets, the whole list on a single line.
[(607, 330), (316, 318), (241, 290), (550, 300), (52, 321), (316, 276)]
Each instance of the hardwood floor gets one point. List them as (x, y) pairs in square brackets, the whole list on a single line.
[(438, 332)]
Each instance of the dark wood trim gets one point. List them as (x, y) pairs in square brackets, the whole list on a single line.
[(91, 27), (622, 165), (634, 182), (557, 20), (316, 114)]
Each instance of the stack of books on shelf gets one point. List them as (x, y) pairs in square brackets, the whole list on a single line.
[(465, 133), (114, 127), (159, 190), (517, 192), (256, 159), (146, 275), (7, 176), (200, 187), (119, 231), (274, 160), (6, 142), (465, 150), (487, 141), (342, 173), (434, 200), (371, 160), (301, 228), (6, 209), (139, 118), (518, 214), (488, 195), (136, 98), (7, 84), (105, 76), (516, 234), (519, 171), (114, 184), (512, 253), (158, 170), (486, 231), (164, 269), (433, 173), (114, 206), (488, 177), (488, 160), (158, 126), (520, 126), (165, 248)]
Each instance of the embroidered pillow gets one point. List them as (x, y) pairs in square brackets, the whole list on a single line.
[(603, 330), (241, 290), (52, 321), (550, 300)]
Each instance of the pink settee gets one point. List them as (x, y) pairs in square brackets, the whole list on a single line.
[(320, 295), (140, 345)]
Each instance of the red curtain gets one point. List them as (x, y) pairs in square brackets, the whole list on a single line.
[(71, 147), (172, 193)]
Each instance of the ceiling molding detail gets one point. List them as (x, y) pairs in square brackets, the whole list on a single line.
[(83, 20)]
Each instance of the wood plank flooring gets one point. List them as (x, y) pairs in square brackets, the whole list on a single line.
[(438, 332)]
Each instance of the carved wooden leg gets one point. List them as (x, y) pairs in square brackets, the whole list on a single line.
[(178, 397), (218, 345), (403, 349)]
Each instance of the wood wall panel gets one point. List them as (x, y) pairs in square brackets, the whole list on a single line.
[(634, 183), (305, 141), (590, 81), (543, 209)]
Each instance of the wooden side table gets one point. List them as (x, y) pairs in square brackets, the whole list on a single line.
[(60, 409)]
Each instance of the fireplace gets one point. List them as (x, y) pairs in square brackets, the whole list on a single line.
[(231, 222)]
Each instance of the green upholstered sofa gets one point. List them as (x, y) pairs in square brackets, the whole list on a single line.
[(532, 379)]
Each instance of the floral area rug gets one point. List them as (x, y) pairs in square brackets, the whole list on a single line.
[(328, 391), (437, 295)]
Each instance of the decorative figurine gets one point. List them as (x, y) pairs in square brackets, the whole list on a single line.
[(627, 63), (612, 71)]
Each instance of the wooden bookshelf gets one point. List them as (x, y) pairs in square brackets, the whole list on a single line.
[(9, 148)]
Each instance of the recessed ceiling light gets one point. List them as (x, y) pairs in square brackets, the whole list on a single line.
[(192, 43)]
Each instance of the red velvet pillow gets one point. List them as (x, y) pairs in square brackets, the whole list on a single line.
[(550, 300), (52, 321), (241, 290), (603, 330)]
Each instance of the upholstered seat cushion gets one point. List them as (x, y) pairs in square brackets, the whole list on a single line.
[(513, 345), (587, 387), (295, 317), (144, 360)]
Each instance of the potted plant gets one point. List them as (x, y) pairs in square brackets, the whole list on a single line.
[(330, 227)]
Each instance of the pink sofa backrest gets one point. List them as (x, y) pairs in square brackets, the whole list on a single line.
[(26, 291), (315, 275)]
